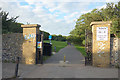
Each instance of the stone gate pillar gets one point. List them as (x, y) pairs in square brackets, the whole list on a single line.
[(101, 43), (29, 44)]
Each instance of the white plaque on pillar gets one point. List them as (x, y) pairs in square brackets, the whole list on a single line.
[(102, 33)]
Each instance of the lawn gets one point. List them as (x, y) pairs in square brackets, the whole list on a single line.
[(59, 44), (81, 49)]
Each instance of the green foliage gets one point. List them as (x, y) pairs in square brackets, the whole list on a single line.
[(9, 25), (110, 13), (83, 42), (58, 38), (46, 35)]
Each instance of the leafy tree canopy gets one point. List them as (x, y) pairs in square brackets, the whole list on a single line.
[(110, 13), (9, 25)]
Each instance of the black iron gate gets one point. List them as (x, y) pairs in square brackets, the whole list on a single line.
[(88, 47), (38, 53), (45, 50)]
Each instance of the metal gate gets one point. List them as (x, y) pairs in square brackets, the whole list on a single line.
[(88, 47)]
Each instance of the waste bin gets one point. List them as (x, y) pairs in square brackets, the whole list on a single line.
[(47, 49)]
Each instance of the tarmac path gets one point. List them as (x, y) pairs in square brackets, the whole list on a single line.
[(72, 55), (52, 68)]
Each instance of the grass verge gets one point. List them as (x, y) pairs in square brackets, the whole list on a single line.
[(59, 44), (81, 49)]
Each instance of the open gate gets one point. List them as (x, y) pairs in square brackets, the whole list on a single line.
[(88, 47)]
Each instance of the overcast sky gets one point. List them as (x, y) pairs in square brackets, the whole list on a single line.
[(54, 16)]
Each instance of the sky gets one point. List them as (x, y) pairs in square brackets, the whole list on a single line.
[(54, 16)]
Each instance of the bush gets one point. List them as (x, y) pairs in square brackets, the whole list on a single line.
[(83, 42)]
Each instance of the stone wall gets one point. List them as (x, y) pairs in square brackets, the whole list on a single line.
[(114, 51), (11, 46)]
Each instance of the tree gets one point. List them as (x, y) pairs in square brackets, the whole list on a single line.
[(9, 25), (46, 35), (110, 13), (58, 38)]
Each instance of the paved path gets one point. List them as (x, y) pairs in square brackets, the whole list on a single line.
[(8, 69), (76, 68), (72, 55)]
